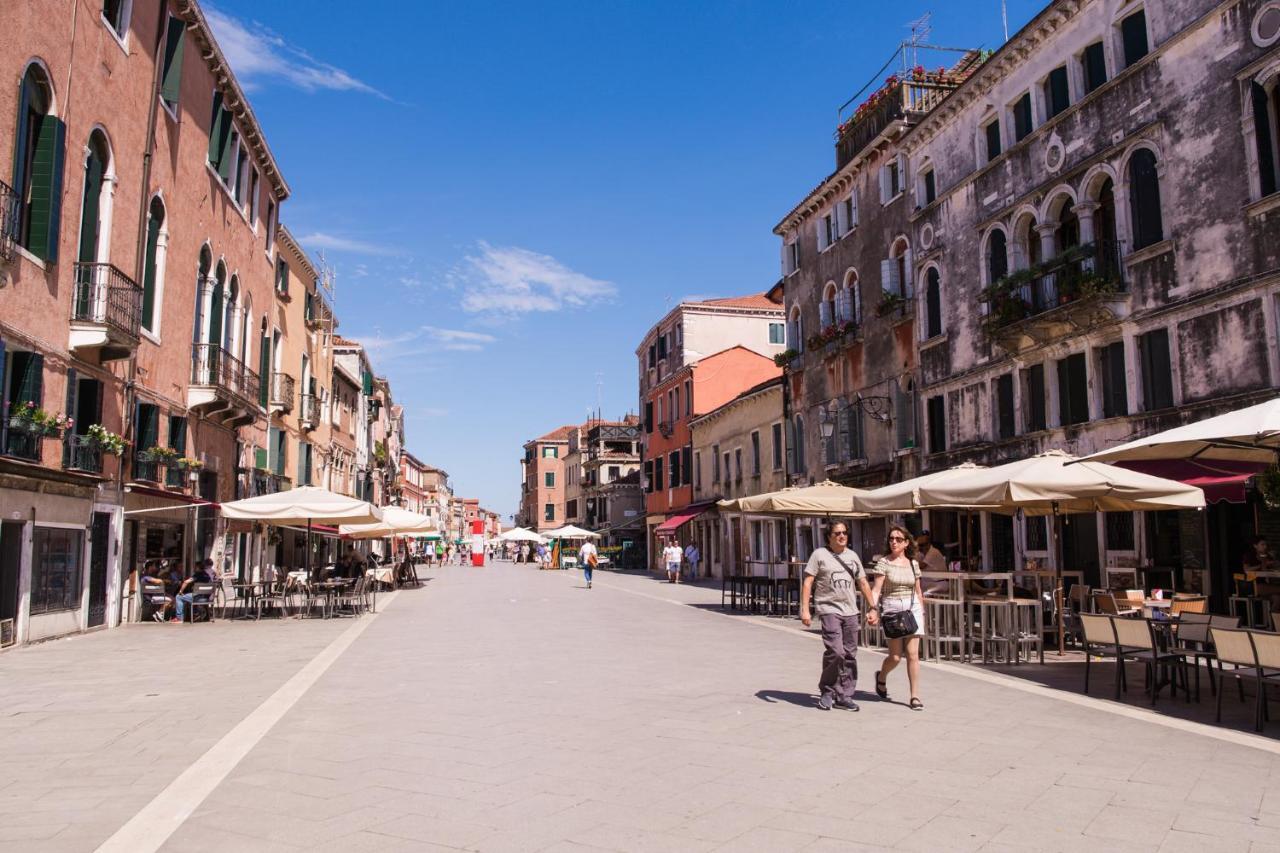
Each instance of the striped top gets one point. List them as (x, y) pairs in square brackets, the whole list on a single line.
[(899, 581)]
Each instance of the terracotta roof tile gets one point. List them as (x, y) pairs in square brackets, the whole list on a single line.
[(755, 300)]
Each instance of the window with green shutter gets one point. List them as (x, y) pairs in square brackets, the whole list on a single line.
[(1133, 34), (1094, 60), (155, 219), (1057, 94), (1022, 123), (171, 80), (220, 141), (44, 206), (265, 379), (260, 458)]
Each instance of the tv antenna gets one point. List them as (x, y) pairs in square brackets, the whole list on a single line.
[(920, 30)]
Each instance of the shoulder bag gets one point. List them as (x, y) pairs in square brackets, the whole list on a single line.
[(901, 623)]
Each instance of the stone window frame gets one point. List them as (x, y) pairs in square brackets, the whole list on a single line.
[(982, 156), (829, 305), (1122, 192), (795, 329), (984, 247), (852, 295), (158, 266), (1269, 78), (923, 295), (1119, 57), (927, 167)]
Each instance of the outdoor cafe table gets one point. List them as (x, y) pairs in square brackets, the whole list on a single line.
[(247, 593)]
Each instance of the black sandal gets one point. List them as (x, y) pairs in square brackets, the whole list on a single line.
[(916, 705), (882, 689)]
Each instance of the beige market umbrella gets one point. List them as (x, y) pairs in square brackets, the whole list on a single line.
[(905, 496), (1054, 483), (303, 504), (1248, 435), (395, 522), (825, 498)]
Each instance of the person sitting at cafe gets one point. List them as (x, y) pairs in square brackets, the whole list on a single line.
[(184, 598), (1257, 557), (153, 574)]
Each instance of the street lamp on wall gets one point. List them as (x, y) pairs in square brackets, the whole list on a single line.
[(878, 408), (827, 423)]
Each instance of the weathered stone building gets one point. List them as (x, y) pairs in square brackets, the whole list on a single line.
[(1091, 215)]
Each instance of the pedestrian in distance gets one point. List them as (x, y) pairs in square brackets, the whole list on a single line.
[(830, 577), (896, 589), (692, 556), (671, 556), (588, 557)]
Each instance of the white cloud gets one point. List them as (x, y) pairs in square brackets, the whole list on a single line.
[(424, 340), (256, 53), (321, 240), (512, 280)]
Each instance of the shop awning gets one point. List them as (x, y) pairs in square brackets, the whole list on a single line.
[(1220, 479), (678, 519)]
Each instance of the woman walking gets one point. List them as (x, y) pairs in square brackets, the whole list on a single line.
[(830, 576), (897, 590)]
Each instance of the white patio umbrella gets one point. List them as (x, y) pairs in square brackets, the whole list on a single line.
[(905, 495), (1247, 435), (519, 534), (1054, 483), (825, 498), (395, 522), (304, 504), (569, 531)]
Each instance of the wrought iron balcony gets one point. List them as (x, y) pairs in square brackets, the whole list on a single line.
[(308, 411), (222, 387), (81, 454), (145, 468), (904, 100), (23, 443), (10, 216), (282, 385), (269, 482), (106, 311), (1073, 291)]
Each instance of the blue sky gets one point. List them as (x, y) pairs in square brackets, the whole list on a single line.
[(511, 194)]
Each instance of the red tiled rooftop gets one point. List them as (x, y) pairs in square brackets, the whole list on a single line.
[(755, 300)]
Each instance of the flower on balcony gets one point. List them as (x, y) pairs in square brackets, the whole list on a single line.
[(785, 357), (106, 441), (833, 332), (30, 418), (159, 455), (889, 302), (188, 463)]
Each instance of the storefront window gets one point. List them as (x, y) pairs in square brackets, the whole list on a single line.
[(55, 570)]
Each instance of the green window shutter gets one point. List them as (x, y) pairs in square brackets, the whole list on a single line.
[(367, 379), (178, 434), (149, 274), (175, 41), (28, 367), (260, 457), (46, 188), (302, 452), (89, 222), (19, 152), (264, 368), (148, 421), (227, 158), (72, 388), (216, 124)]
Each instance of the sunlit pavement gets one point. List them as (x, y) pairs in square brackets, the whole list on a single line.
[(507, 708)]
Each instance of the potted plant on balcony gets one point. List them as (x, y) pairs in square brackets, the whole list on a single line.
[(105, 441), (159, 455), (33, 420), (187, 463), (785, 357), (889, 302)]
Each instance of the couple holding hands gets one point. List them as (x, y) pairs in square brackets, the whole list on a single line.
[(892, 589)]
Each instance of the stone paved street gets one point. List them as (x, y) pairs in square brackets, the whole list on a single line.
[(508, 709)]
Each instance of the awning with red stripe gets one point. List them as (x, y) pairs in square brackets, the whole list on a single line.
[(678, 519), (1221, 480)]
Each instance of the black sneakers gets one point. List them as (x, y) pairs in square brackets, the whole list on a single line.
[(847, 704)]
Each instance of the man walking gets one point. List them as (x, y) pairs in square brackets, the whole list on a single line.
[(587, 556), (829, 577), (671, 556), (692, 555)]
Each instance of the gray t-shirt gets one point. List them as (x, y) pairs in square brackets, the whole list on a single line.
[(834, 578)]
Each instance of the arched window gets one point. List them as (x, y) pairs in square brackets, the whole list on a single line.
[(217, 298), (895, 271), (852, 299), (39, 148), (1266, 130), (829, 308), (795, 338), (153, 266), (1026, 242), (231, 318), (1067, 232), (932, 303), (1144, 199), (94, 201), (997, 256)]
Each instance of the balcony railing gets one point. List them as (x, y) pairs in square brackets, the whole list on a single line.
[(106, 296), (144, 468), (213, 366), (23, 443), (268, 482), (907, 99), (282, 385), (309, 409), (1078, 273), (81, 454), (10, 210)]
